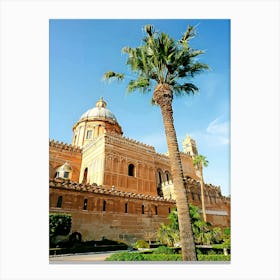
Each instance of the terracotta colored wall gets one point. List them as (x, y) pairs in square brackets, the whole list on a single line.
[(114, 223), (120, 152), (59, 153)]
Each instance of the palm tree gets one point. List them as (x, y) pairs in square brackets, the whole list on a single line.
[(198, 162), (166, 65)]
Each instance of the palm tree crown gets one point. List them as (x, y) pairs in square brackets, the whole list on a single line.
[(200, 160), (162, 60)]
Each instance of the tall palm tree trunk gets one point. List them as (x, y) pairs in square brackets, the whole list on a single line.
[(202, 194), (163, 97)]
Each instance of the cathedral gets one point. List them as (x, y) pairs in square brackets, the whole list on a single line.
[(118, 188)]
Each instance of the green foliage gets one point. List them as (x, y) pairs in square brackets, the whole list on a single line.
[(168, 235), (203, 233), (141, 244), (59, 224), (220, 246), (161, 59), (164, 250), (226, 238), (112, 75), (213, 258), (200, 160), (126, 256)]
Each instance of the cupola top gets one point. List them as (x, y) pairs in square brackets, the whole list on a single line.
[(99, 111), (101, 103)]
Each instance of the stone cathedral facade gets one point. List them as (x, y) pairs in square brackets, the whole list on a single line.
[(118, 188)]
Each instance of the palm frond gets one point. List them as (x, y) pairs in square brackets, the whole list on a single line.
[(184, 89), (149, 29), (140, 84), (198, 67), (189, 33), (200, 160), (111, 75)]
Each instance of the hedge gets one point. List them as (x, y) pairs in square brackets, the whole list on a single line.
[(125, 256), (143, 257), (213, 258)]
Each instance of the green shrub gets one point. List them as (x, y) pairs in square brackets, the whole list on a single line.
[(141, 244), (143, 257), (220, 246), (163, 257), (164, 250), (125, 256), (59, 224), (213, 258)]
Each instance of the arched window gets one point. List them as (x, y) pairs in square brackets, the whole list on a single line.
[(59, 202), (193, 198), (89, 134), (126, 208), (85, 176), (159, 177), (85, 204), (156, 210), (143, 209), (104, 205), (131, 170), (167, 176), (169, 210)]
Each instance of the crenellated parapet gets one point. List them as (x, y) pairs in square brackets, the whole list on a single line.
[(209, 188), (113, 137), (94, 188), (163, 158), (64, 146)]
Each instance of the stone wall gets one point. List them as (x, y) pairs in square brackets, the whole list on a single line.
[(217, 206), (59, 153), (98, 212), (129, 165)]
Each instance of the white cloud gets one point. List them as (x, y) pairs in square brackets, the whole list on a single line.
[(220, 131), (216, 133)]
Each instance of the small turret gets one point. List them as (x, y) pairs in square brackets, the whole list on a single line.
[(189, 146)]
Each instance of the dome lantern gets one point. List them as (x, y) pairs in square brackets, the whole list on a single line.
[(101, 103)]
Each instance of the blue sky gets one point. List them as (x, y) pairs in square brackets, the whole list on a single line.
[(82, 50)]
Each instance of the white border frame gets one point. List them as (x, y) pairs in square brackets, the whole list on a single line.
[(254, 135)]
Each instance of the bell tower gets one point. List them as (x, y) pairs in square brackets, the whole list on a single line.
[(189, 146)]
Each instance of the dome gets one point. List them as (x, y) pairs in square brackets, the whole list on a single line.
[(99, 111)]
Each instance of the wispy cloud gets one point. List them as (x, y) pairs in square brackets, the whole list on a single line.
[(216, 133), (220, 130)]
